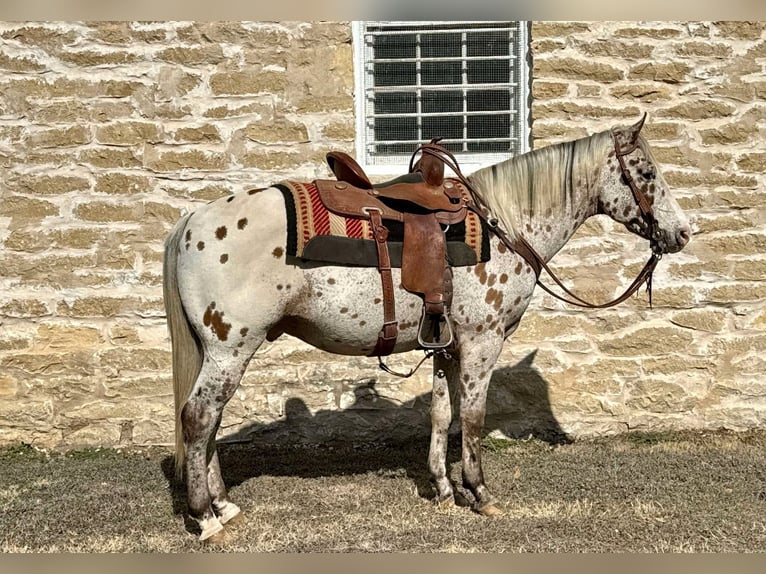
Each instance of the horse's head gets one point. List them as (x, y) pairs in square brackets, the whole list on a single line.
[(635, 194)]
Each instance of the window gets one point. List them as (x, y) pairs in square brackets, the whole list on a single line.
[(467, 82)]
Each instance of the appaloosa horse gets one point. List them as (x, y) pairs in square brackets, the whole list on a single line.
[(228, 287)]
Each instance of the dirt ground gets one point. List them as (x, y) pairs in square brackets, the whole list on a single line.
[(685, 492)]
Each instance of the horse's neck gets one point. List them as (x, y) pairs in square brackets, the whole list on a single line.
[(549, 233)]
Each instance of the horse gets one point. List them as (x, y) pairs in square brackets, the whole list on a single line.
[(228, 287)]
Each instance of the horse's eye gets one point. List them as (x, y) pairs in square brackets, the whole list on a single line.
[(648, 175)]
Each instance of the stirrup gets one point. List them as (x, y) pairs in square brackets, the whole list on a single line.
[(431, 331)]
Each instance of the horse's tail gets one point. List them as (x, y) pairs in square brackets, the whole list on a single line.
[(187, 351)]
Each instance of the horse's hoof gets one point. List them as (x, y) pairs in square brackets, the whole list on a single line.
[(221, 538), (490, 510), (210, 527), (444, 502), (229, 512)]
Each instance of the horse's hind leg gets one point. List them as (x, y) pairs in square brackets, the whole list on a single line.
[(225, 509), (200, 417)]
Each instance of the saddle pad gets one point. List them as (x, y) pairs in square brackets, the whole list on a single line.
[(315, 234)]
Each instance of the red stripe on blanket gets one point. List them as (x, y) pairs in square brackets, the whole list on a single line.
[(321, 216), (354, 228)]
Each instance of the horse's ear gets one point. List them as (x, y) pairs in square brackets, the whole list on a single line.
[(626, 139)]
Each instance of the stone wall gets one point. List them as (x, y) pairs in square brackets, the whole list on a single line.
[(696, 359), (109, 130)]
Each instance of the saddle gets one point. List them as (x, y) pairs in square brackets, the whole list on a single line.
[(424, 201)]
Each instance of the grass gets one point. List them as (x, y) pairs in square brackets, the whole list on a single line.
[(666, 492)]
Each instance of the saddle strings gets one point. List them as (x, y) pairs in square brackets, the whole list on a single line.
[(430, 353)]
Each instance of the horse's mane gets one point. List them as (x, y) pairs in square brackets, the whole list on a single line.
[(542, 181)]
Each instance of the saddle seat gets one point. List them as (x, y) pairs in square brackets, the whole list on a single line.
[(424, 201), (423, 187)]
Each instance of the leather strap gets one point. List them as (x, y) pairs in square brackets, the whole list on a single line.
[(523, 248), (530, 255), (390, 331)]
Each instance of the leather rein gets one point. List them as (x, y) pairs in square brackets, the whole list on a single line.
[(522, 247)]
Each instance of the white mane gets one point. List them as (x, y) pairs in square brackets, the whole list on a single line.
[(542, 181)]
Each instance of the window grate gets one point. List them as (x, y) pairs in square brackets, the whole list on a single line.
[(466, 82)]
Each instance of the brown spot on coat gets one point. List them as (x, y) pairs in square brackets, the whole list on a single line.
[(242, 223), (494, 298), (331, 281), (501, 247), (504, 278), (278, 251), (481, 273), (376, 301), (224, 258), (243, 331), (517, 269), (254, 191), (491, 280), (220, 233), (344, 309), (230, 199), (214, 319), (188, 235), (200, 245)]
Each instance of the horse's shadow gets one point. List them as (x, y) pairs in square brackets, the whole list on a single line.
[(322, 444)]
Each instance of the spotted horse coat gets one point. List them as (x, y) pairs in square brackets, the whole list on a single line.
[(228, 288)]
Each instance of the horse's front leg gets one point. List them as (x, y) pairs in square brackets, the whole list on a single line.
[(441, 416), (476, 364)]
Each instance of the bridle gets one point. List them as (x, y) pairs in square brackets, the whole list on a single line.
[(644, 205), (535, 260)]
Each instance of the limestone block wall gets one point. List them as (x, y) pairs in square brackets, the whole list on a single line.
[(108, 131), (696, 359)]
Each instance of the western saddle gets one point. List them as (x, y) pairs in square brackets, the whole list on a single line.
[(423, 200)]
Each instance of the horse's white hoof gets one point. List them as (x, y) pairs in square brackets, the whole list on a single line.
[(228, 511), (210, 527)]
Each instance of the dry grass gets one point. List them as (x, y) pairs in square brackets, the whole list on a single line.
[(689, 492)]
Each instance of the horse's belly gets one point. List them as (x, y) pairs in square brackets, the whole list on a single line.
[(341, 310)]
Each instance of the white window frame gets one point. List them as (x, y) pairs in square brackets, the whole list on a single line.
[(468, 162)]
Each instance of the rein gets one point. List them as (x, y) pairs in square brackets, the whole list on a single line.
[(535, 260)]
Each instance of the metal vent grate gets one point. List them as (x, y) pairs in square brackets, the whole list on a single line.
[(464, 82)]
